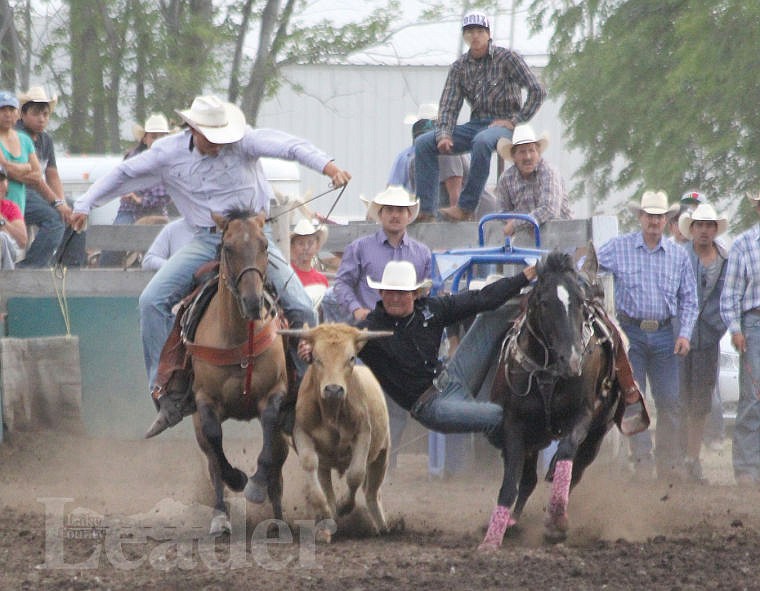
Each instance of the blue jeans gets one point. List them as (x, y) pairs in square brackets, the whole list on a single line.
[(50, 227), (455, 409), (474, 137), (174, 280), (746, 444), (652, 356)]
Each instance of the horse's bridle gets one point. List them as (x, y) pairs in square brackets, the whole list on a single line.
[(233, 284), (545, 371)]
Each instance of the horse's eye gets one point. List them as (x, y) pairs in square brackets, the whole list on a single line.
[(316, 360), (352, 360)]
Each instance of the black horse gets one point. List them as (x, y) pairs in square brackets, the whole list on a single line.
[(555, 380)]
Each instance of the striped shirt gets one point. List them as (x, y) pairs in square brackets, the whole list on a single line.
[(542, 195), (652, 284), (492, 86), (741, 290)]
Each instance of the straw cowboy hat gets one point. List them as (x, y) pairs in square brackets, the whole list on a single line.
[(393, 195), (398, 276), (37, 94), (156, 123), (426, 111), (654, 202), (219, 122), (522, 134), (703, 212), (306, 228)]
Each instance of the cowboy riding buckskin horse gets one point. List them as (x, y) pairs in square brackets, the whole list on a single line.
[(557, 380), (234, 361)]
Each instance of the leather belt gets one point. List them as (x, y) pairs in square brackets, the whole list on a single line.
[(206, 229), (645, 325)]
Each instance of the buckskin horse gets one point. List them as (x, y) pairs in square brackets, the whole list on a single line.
[(555, 380), (239, 364)]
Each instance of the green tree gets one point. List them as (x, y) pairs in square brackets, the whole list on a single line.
[(283, 39), (11, 60), (658, 93)]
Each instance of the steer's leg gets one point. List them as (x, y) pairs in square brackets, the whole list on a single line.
[(357, 471), (315, 494), (375, 475)]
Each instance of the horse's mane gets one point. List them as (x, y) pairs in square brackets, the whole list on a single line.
[(238, 213), (558, 262)]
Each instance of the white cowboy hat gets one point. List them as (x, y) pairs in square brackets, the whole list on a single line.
[(654, 202), (156, 123), (37, 94), (426, 111), (306, 228), (219, 122), (393, 195), (398, 276), (703, 212), (522, 134)]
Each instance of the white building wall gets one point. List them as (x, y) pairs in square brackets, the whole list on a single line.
[(356, 114)]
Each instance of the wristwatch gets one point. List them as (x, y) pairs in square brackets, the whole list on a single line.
[(2, 222), (57, 203)]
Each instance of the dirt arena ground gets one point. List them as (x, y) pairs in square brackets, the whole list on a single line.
[(81, 514)]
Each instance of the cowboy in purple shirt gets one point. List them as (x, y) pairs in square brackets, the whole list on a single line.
[(394, 209)]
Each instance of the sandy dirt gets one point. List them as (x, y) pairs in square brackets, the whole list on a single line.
[(81, 513)]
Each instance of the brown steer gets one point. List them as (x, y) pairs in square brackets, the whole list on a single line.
[(341, 423)]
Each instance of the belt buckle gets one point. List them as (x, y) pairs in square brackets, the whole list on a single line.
[(649, 325)]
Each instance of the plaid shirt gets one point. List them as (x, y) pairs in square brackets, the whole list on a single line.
[(492, 86), (741, 290), (652, 284), (543, 195)]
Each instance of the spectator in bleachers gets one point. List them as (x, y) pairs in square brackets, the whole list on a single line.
[(12, 226), (531, 185), (491, 79), (153, 201), (46, 209)]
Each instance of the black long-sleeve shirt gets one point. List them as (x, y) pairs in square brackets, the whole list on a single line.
[(406, 363)]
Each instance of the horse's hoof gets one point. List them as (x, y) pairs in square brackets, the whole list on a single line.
[(554, 536), (255, 491), (323, 536), (220, 524), (556, 530)]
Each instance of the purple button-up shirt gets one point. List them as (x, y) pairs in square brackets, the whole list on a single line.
[(367, 257), (203, 184)]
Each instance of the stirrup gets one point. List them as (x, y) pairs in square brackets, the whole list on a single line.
[(635, 420)]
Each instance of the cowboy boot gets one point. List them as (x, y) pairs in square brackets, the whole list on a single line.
[(635, 417), (456, 214), (173, 403)]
